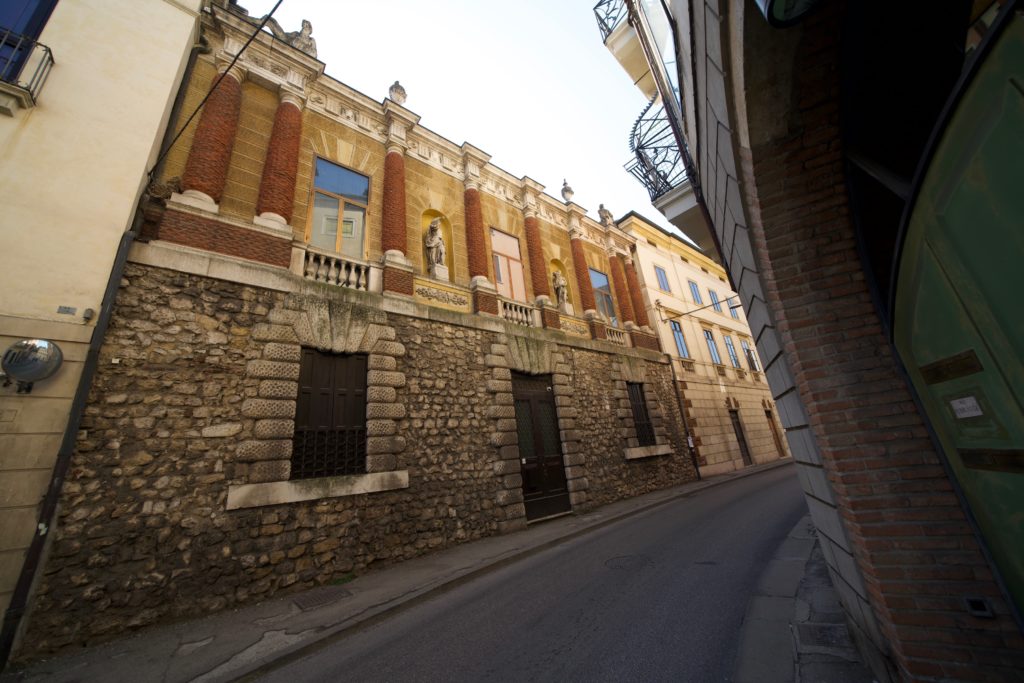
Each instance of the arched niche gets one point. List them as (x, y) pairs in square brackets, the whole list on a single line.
[(446, 232), (555, 265)]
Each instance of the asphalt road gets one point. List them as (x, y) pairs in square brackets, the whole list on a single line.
[(659, 596)]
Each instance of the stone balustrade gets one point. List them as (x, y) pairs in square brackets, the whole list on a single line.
[(335, 269), (518, 313), (616, 336)]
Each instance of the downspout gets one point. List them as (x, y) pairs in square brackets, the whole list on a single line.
[(48, 510)]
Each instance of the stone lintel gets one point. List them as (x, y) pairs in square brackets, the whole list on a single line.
[(298, 490)]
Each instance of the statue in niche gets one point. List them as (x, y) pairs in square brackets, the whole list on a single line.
[(561, 287), (300, 40), (436, 251), (607, 220)]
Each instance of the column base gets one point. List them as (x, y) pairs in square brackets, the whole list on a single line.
[(596, 324), (485, 296), (642, 340), (196, 200), (398, 274)]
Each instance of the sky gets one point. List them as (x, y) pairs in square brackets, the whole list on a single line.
[(528, 82)]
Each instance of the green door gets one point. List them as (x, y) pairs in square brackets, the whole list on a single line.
[(959, 309)]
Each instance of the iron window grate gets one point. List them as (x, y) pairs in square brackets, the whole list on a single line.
[(641, 418)]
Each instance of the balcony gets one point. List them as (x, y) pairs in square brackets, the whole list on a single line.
[(657, 160), (24, 66), (609, 13)]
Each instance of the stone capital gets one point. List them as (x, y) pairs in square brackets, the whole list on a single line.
[(236, 71), (474, 160), (399, 122), (289, 96)]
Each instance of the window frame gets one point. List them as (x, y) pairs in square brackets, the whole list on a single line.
[(730, 347), (641, 415), (709, 337), (680, 338), (695, 293), (496, 255), (662, 278), (755, 365), (716, 303), (603, 297), (342, 202)]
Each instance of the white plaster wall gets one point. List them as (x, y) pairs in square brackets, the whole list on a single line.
[(72, 167)]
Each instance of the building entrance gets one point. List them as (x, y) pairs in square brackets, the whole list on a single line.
[(540, 450)]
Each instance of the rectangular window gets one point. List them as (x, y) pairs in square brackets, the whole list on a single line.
[(338, 217), (330, 416), (508, 265), (677, 334), (751, 355), (734, 307), (715, 303), (641, 418), (603, 296), (712, 347), (21, 22), (662, 279), (695, 291), (733, 358)]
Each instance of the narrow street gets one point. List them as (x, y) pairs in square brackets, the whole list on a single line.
[(659, 596)]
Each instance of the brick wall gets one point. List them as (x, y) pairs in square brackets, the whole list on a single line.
[(223, 238)]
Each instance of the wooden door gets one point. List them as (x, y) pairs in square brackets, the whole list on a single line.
[(545, 491), (741, 438)]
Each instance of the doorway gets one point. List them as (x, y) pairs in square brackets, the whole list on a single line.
[(741, 438), (545, 492)]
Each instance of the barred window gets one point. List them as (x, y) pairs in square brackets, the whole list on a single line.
[(641, 418), (330, 419)]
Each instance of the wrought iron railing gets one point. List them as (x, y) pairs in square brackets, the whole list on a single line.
[(610, 14), (657, 160), (24, 63)]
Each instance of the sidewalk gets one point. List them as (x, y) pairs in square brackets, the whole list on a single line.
[(232, 644), (796, 609)]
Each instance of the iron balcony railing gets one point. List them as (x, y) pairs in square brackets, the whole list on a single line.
[(24, 63), (657, 160), (610, 14)]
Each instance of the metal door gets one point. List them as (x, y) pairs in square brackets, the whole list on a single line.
[(545, 491)]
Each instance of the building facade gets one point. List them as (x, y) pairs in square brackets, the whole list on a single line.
[(342, 341), (852, 164), (729, 409), (65, 103)]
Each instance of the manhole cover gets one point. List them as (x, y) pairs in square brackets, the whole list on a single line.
[(320, 597)]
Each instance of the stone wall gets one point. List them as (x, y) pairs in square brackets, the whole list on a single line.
[(145, 534)]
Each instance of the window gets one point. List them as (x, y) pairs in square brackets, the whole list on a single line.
[(662, 279), (677, 334), (734, 308), (733, 358), (641, 418), (508, 265), (21, 22), (712, 347), (715, 303), (695, 291), (603, 296), (338, 218), (330, 418), (751, 356)]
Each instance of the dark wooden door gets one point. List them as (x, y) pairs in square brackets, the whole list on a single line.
[(330, 418), (741, 438), (540, 451)]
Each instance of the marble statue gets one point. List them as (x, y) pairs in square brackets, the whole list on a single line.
[(561, 287), (300, 40), (607, 220), (434, 243)]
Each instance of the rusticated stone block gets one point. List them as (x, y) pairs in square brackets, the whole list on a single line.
[(504, 439), (578, 484), (567, 423), (501, 411), (559, 378), (390, 411), (381, 427), (578, 500), (573, 459), (492, 360), (381, 462), (381, 394), (568, 412), (506, 425), (575, 472), (570, 447), (570, 435), (379, 362), (501, 373), (563, 399), (278, 388), (509, 453), (222, 430), (384, 378), (251, 451), (291, 353), (499, 349), (512, 481), (389, 348), (384, 444), (274, 429), (563, 368), (270, 369), (504, 399), (274, 333), (268, 408), (381, 332), (270, 470), (283, 316), (503, 467), (509, 497), (497, 385)]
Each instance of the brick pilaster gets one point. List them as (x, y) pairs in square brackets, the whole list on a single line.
[(277, 187), (206, 170), (393, 231), (476, 247), (621, 288), (579, 262), (635, 293)]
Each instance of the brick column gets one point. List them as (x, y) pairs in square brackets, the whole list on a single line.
[(586, 290), (206, 170), (643, 336), (621, 289), (277, 187), (398, 271), (485, 296), (535, 253)]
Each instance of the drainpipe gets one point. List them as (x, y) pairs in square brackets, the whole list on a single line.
[(33, 557)]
